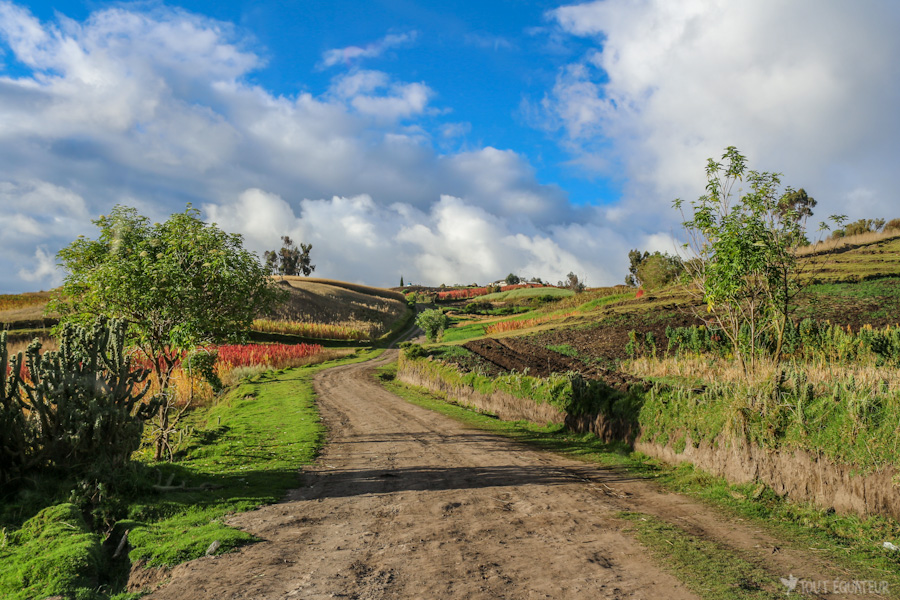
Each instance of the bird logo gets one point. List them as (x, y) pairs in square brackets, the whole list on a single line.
[(790, 583)]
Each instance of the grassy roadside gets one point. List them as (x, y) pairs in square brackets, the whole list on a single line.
[(240, 454), (851, 543)]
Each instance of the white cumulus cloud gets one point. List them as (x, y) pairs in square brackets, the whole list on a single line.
[(806, 88)]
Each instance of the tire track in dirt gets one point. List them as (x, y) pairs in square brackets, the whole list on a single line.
[(407, 503)]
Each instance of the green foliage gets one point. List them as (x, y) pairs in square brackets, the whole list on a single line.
[(796, 204), (413, 350), (83, 405), (861, 226), (652, 271), (477, 307), (747, 270), (177, 285), (513, 279), (291, 260), (433, 322), (202, 362)]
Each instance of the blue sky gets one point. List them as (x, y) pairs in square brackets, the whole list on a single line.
[(448, 142)]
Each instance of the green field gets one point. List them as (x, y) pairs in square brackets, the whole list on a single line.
[(525, 294)]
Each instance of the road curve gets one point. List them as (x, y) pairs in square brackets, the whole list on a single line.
[(407, 503)]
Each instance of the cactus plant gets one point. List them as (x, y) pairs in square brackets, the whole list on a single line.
[(85, 399), (16, 437)]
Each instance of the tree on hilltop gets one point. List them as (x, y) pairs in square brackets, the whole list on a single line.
[(290, 260), (654, 270), (572, 283)]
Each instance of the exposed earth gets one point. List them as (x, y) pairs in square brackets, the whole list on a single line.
[(407, 503), (517, 354)]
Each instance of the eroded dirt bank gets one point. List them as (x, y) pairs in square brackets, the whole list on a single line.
[(800, 476), (406, 503)]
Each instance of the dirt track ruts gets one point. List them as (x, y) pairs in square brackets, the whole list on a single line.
[(406, 503)]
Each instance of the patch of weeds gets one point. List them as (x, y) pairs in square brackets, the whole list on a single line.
[(706, 568), (565, 349)]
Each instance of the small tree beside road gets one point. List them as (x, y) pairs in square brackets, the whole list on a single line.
[(176, 285), (433, 322)]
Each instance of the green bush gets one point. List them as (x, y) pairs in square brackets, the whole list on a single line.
[(433, 322)]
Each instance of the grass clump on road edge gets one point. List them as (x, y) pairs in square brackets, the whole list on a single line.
[(853, 543), (251, 444), (706, 568), (242, 453)]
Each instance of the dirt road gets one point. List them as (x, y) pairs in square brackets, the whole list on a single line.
[(406, 503)]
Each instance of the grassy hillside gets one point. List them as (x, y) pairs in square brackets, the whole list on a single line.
[(339, 310), (315, 308)]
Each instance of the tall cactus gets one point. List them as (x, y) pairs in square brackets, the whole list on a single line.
[(86, 398), (15, 436)]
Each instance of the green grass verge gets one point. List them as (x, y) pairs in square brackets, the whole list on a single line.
[(463, 333), (852, 543), (245, 450), (252, 444), (708, 569)]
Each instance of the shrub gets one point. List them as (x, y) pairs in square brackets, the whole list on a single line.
[(77, 408), (433, 322)]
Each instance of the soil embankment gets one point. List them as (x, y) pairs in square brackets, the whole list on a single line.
[(406, 503)]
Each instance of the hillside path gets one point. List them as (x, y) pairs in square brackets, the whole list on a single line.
[(407, 503)]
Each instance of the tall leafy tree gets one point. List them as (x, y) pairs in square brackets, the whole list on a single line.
[(177, 285), (290, 260), (745, 245), (572, 283), (652, 271)]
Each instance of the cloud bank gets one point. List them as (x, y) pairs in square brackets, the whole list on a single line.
[(153, 109), (806, 88), (156, 108)]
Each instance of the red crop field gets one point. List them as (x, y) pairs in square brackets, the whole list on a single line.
[(466, 293), (505, 326), (270, 355)]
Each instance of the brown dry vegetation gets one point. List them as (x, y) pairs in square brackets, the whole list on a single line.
[(858, 261), (848, 242), (362, 289), (27, 308), (371, 310)]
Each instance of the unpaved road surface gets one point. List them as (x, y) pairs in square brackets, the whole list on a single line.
[(406, 503)]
